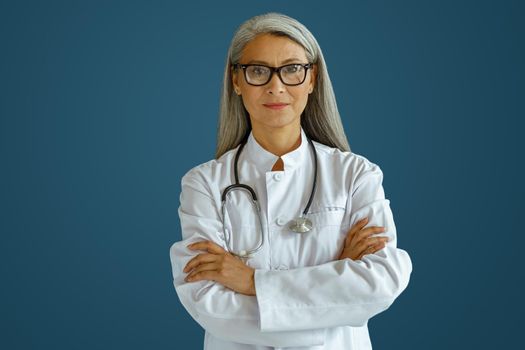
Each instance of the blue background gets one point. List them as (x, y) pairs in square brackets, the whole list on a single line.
[(105, 105)]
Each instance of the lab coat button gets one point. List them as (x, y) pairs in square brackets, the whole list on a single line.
[(280, 221), (277, 177)]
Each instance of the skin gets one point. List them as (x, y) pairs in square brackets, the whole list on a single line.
[(358, 241), (279, 132), (275, 130)]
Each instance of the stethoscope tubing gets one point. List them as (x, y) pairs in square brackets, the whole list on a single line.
[(255, 202)]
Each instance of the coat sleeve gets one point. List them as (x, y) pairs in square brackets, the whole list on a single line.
[(224, 313), (341, 292)]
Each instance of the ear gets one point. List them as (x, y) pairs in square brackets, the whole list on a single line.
[(313, 77), (235, 81)]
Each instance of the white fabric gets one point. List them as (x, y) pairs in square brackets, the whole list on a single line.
[(306, 299)]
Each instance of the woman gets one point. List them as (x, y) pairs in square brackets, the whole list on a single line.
[(323, 258)]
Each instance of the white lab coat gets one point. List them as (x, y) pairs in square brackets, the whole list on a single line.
[(305, 298)]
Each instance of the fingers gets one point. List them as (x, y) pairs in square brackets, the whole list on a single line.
[(366, 246), (357, 233), (366, 233), (203, 275), (199, 271), (370, 241), (356, 228), (199, 259), (373, 248), (214, 249), (208, 246)]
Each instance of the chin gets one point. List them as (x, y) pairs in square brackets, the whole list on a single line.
[(278, 121)]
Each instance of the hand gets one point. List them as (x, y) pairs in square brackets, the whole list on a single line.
[(359, 243), (220, 266)]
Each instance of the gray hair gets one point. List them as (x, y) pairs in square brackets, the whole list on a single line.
[(320, 119)]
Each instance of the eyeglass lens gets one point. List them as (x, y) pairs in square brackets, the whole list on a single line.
[(292, 74)]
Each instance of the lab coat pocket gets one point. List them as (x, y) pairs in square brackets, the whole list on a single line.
[(326, 216), (326, 238)]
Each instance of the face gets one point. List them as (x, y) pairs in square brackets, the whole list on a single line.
[(274, 51)]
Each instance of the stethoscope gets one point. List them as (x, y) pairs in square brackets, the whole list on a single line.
[(299, 225)]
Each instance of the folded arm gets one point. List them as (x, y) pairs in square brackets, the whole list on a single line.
[(224, 313), (342, 292)]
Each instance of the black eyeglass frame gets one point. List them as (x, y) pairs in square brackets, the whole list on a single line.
[(273, 70)]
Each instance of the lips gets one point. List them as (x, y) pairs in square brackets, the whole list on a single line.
[(277, 105)]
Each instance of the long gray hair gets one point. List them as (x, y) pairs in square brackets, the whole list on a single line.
[(320, 119)]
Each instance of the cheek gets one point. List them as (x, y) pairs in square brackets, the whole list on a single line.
[(253, 105), (250, 100), (300, 100)]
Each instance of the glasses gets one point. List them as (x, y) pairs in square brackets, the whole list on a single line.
[(290, 74)]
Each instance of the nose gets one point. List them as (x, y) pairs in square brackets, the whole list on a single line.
[(275, 85)]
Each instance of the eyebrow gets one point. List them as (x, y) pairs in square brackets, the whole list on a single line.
[(283, 62)]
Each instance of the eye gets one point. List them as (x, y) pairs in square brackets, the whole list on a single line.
[(258, 70), (292, 68)]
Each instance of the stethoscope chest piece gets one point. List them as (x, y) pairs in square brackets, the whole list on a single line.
[(301, 225)]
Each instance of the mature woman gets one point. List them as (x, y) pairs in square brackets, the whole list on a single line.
[(301, 251)]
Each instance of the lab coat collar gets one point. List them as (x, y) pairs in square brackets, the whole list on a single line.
[(264, 160)]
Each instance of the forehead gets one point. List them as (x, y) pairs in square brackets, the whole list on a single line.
[(272, 50)]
